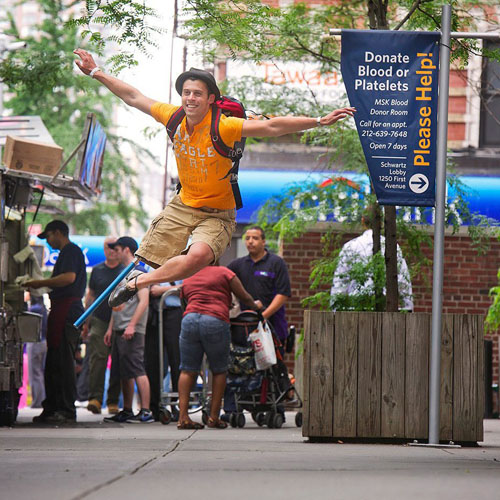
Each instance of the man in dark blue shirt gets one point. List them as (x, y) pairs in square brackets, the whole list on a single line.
[(68, 282), (265, 276)]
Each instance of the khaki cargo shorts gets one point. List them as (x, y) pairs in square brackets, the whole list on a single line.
[(169, 232)]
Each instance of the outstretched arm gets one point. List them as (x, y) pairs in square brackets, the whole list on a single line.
[(128, 94), (288, 124)]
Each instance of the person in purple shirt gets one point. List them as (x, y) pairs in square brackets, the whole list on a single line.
[(265, 276)]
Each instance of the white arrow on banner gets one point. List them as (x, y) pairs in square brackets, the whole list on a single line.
[(419, 183)]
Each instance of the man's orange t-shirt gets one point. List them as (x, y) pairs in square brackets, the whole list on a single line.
[(201, 169)]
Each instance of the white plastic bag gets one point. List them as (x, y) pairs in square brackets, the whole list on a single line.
[(263, 346)]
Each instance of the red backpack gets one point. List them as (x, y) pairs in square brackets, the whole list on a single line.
[(229, 107)]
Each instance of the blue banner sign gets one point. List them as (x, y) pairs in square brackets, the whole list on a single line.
[(391, 79)]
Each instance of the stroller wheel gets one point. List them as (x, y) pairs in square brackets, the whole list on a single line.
[(269, 419), (278, 421), (165, 417), (240, 420), (298, 419), (233, 420), (260, 418)]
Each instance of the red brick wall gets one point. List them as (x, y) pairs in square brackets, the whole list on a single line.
[(468, 278)]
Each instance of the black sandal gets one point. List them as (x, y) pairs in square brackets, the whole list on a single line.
[(216, 423), (190, 425)]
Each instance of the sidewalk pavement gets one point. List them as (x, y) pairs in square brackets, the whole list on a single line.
[(92, 460)]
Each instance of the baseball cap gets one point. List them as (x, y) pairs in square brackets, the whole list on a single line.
[(126, 242), (55, 225), (198, 74)]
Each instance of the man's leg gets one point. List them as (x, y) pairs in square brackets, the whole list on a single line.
[(198, 256), (180, 267), (67, 396), (118, 372), (128, 393), (173, 320), (143, 389), (113, 391), (132, 364), (98, 353), (151, 362), (164, 243), (52, 378)]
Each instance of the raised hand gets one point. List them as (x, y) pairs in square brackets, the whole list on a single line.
[(87, 63)]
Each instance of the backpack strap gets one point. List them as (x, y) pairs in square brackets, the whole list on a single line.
[(172, 126), (224, 150), (217, 141), (174, 122), (233, 174)]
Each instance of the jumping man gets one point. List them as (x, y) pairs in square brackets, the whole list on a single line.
[(204, 209)]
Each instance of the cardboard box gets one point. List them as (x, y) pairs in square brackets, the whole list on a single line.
[(32, 156)]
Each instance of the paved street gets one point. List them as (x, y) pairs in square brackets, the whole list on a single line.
[(92, 460)]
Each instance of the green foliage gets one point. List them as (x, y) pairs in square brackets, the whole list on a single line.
[(131, 23), (492, 321), (254, 31), (43, 83), (369, 274), (290, 214)]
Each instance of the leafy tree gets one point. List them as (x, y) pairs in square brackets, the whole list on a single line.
[(43, 83), (253, 30), (132, 27)]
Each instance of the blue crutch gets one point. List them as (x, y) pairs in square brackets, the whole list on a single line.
[(104, 295)]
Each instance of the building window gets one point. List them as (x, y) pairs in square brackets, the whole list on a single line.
[(490, 101)]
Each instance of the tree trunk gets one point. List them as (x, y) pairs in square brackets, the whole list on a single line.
[(377, 14), (391, 260), (376, 235)]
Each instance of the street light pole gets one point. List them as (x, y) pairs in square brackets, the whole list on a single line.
[(437, 281)]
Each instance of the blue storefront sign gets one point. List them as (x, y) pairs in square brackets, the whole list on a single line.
[(92, 248), (391, 79)]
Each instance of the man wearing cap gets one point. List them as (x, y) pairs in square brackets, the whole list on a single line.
[(94, 329), (204, 209), (126, 336), (68, 282)]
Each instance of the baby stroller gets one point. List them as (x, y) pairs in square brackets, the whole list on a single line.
[(263, 393)]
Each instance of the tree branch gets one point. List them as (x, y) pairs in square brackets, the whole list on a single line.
[(413, 8), (318, 55)]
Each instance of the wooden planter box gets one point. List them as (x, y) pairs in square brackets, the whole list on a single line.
[(366, 376)]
